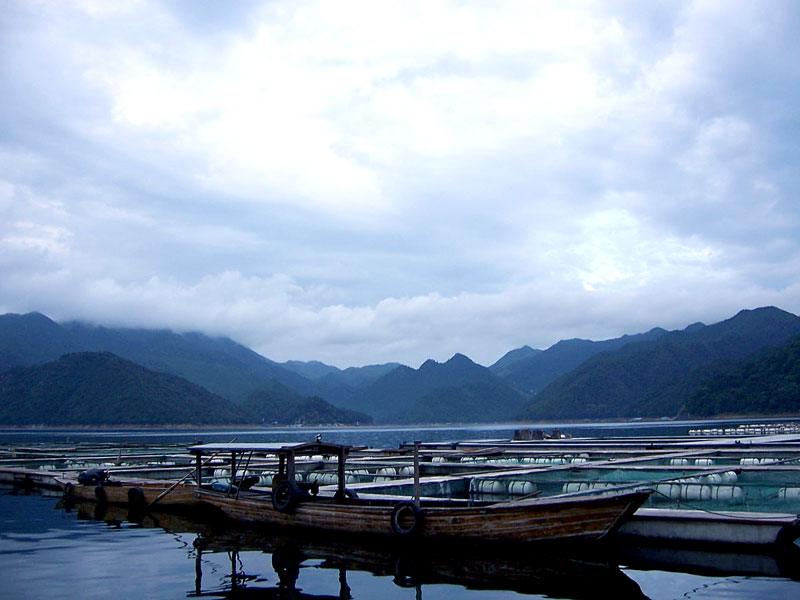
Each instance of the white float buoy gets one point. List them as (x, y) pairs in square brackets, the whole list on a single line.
[(521, 488)]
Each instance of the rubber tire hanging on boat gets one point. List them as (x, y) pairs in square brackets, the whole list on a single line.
[(402, 511), (68, 489), (100, 494), (136, 498), (285, 497)]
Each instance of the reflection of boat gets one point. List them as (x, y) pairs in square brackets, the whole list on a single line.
[(118, 513), (565, 517), (417, 564), (712, 560)]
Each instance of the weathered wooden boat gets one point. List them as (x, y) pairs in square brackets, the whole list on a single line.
[(139, 493), (574, 574), (292, 504)]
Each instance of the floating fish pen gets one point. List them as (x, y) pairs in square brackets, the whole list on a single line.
[(743, 474), (749, 429)]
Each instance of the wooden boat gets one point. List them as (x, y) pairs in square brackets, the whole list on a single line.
[(135, 492), (289, 504), (578, 573)]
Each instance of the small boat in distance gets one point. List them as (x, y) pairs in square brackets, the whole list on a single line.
[(290, 503)]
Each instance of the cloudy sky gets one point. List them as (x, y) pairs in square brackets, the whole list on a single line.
[(363, 182)]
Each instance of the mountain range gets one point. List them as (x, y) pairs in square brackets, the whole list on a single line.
[(100, 388), (655, 377), (653, 374)]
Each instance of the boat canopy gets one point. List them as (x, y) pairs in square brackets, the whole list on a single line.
[(286, 453)]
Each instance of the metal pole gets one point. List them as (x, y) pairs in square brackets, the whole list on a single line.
[(416, 473), (341, 477), (233, 473)]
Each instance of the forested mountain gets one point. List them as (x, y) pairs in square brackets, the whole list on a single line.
[(31, 339), (531, 370), (654, 378), (766, 384), (405, 389), (472, 402), (338, 385), (218, 364), (651, 374), (277, 404), (503, 366), (103, 389), (100, 388)]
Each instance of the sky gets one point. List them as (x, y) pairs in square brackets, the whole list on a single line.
[(366, 182)]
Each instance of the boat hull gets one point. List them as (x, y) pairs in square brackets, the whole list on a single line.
[(119, 492), (557, 518)]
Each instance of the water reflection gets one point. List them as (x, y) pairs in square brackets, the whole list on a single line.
[(243, 585), (279, 565), (415, 566)]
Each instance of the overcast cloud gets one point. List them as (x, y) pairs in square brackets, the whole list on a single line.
[(363, 182)]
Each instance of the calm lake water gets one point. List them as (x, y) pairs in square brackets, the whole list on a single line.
[(51, 551), (376, 437)]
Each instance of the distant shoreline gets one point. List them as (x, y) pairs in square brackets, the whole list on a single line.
[(539, 424)]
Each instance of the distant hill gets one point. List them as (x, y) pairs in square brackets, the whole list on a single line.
[(766, 384), (427, 392), (473, 402), (31, 339), (278, 405), (104, 389), (100, 388), (503, 366), (532, 370), (331, 376), (313, 369), (649, 374), (655, 378), (218, 364)]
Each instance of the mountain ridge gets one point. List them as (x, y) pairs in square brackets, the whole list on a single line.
[(571, 379), (101, 388), (653, 378)]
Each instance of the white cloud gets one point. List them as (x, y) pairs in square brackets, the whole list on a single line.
[(361, 182)]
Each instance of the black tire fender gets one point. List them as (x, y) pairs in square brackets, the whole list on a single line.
[(136, 498), (285, 497), (100, 494), (68, 487), (406, 518)]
